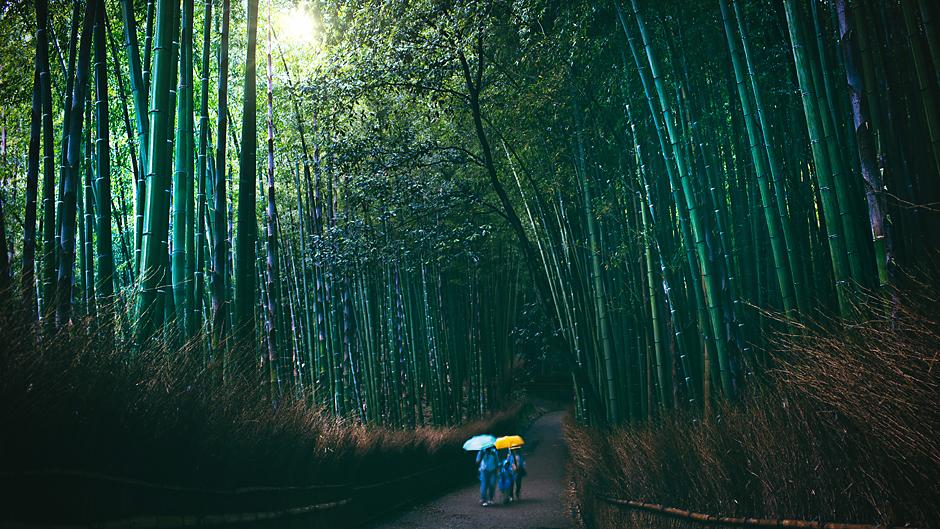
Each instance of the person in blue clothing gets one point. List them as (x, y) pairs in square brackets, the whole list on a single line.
[(487, 461), (506, 477), (518, 464)]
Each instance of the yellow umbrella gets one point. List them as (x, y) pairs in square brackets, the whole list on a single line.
[(510, 441)]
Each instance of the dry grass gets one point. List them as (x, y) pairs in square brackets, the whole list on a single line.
[(847, 430)]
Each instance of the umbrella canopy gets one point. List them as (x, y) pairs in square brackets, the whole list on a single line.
[(510, 441), (479, 442)]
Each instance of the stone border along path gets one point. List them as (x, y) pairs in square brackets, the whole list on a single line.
[(542, 503)]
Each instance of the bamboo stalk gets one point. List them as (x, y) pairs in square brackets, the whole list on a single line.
[(102, 188), (219, 275), (71, 172)]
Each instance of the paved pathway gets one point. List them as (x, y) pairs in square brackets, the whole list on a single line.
[(542, 503)]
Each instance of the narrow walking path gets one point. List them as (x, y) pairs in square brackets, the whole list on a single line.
[(541, 505)]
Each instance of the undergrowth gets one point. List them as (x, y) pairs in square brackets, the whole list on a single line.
[(69, 403), (845, 429)]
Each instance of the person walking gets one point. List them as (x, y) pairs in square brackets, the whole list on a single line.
[(518, 463), (488, 463), (506, 477)]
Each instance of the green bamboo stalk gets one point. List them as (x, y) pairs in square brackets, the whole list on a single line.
[(28, 271), (771, 214), (247, 194), (411, 383), (824, 176), (165, 293), (348, 353), (147, 71), (665, 397), (926, 92), (794, 253), (306, 215), (86, 224), (307, 322), (686, 240), (202, 170), (825, 88), (71, 173), (428, 348), (157, 208), (396, 346), (337, 358), (128, 128), (183, 257), (103, 238), (715, 201), (287, 344), (295, 305), (139, 94), (219, 274), (272, 275), (930, 32), (6, 271), (188, 136), (367, 346), (574, 308), (407, 293), (599, 296), (63, 156), (698, 229), (648, 217), (123, 274), (48, 272), (834, 144)]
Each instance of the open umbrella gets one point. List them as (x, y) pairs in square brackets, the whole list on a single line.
[(510, 441), (479, 442)]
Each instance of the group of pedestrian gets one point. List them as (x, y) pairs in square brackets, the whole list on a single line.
[(504, 473)]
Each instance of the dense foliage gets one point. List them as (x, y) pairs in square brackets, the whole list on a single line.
[(632, 192)]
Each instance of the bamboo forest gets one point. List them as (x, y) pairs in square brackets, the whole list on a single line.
[(370, 263)]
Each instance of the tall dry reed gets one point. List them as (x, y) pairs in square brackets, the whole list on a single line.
[(845, 429)]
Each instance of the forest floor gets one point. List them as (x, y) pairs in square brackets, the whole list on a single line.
[(542, 503)]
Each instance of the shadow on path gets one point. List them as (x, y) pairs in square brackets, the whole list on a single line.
[(542, 501)]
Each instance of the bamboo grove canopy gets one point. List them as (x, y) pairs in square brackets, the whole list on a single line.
[(395, 209)]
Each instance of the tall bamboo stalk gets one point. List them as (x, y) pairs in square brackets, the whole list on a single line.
[(874, 188), (128, 128), (157, 207), (183, 261), (921, 70), (71, 173), (138, 83), (770, 207), (86, 225), (48, 276), (685, 233), (710, 286), (219, 305), (245, 271), (28, 272), (824, 174), (102, 188), (202, 170), (794, 253), (599, 297), (273, 271)]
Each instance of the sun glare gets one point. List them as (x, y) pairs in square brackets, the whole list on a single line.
[(295, 26)]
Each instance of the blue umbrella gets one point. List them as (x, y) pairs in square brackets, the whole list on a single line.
[(479, 442)]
